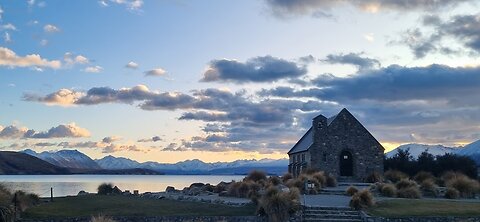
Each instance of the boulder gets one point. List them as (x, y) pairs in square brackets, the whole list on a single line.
[(170, 189)]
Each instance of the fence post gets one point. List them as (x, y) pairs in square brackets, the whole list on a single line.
[(51, 194)]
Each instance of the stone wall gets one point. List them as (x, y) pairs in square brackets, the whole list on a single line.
[(345, 133), (163, 219), (423, 219)]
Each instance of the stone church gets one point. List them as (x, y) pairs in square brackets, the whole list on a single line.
[(340, 146)]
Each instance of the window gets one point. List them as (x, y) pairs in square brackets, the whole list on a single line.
[(303, 157), (324, 157)]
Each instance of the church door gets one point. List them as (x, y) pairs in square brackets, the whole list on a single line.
[(346, 164)]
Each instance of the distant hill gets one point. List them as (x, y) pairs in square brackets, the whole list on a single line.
[(197, 166), (416, 149), (65, 158), (471, 150), (18, 163), (21, 163)]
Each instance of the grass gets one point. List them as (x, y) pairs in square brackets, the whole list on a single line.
[(80, 206), (424, 208)]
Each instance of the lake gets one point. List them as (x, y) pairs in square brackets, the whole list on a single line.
[(66, 185)]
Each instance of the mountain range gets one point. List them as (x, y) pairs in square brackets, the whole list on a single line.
[(471, 150), (77, 162)]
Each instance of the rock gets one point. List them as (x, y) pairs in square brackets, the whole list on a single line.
[(82, 193), (170, 189), (196, 185), (223, 194), (116, 190)]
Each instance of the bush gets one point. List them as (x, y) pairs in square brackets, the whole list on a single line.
[(105, 188), (26, 200), (287, 177), (7, 214), (361, 200), (351, 190), (256, 176), (422, 176), (429, 187), (374, 177), (101, 219), (395, 175), (331, 181), (388, 190), (452, 193), (274, 180), (405, 183), (5, 196), (409, 192), (278, 205), (466, 186), (321, 178), (220, 187)]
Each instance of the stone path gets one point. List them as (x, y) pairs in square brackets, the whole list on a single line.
[(325, 200)]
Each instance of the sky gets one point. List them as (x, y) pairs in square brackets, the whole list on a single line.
[(219, 80)]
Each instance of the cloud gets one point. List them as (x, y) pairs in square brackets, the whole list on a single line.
[(132, 65), (258, 69), (61, 131), (93, 69), (112, 148), (1, 12), (355, 59), (294, 8), (111, 139), (63, 97), (133, 5), (12, 132), (437, 33), (156, 72), (72, 59), (51, 28), (153, 139), (8, 26), (369, 37), (7, 38), (11, 59)]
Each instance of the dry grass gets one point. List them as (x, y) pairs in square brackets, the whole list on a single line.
[(362, 200), (351, 190), (422, 176), (278, 205), (466, 186), (395, 175), (102, 219), (452, 193), (388, 190), (409, 192)]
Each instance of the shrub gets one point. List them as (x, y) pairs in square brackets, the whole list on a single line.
[(452, 193), (220, 187), (105, 188), (428, 186), (405, 183), (321, 178), (351, 190), (5, 196), (422, 176), (374, 177), (310, 171), (395, 175), (287, 177), (233, 188), (26, 200), (297, 183), (256, 176), (362, 199), (101, 219), (274, 180), (466, 186), (7, 214), (388, 190), (409, 192), (331, 181), (278, 205)]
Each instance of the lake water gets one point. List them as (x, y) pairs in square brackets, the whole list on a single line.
[(65, 185)]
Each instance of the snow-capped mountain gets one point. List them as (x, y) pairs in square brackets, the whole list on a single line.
[(416, 149), (196, 166), (65, 158), (470, 149)]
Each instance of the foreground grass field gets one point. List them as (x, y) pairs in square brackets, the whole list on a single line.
[(130, 206), (410, 207)]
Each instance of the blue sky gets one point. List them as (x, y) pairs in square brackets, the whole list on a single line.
[(233, 79)]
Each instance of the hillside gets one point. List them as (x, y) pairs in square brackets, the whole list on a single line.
[(65, 158), (20, 163)]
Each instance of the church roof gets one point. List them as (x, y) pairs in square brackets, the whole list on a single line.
[(304, 143), (307, 140)]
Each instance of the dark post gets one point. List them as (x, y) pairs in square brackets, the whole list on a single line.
[(15, 205), (51, 194)]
